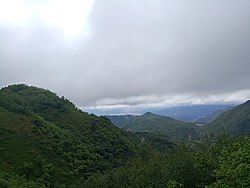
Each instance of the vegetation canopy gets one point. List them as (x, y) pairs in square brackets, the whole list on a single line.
[(46, 141)]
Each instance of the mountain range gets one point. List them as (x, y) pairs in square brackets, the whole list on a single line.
[(230, 120), (189, 113), (211, 117), (235, 121), (192, 113), (157, 124), (46, 141)]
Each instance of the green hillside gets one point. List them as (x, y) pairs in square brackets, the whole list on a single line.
[(235, 121), (223, 164), (46, 140), (120, 120), (153, 123), (211, 117)]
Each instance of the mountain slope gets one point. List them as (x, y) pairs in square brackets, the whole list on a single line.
[(235, 121), (211, 117), (51, 142), (153, 123), (120, 120)]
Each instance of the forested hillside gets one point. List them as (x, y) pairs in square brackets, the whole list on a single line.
[(153, 123), (211, 117), (47, 140), (224, 163), (120, 120), (235, 121)]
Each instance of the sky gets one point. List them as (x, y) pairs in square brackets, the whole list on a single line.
[(110, 56)]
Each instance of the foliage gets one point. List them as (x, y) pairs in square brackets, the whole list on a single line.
[(234, 165), (235, 121), (224, 164), (47, 140), (211, 117), (14, 181)]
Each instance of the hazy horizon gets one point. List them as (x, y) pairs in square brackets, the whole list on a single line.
[(155, 110)]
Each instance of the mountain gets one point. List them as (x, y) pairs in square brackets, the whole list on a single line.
[(120, 120), (153, 123), (192, 112), (210, 117), (235, 121), (47, 141)]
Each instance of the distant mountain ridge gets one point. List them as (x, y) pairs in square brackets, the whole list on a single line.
[(191, 113), (211, 117), (188, 113), (120, 120), (232, 120), (152, 123), (235, 121)]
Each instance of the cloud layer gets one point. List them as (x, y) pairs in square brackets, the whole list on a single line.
[(135, 53)]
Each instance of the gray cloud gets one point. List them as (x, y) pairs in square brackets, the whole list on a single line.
[(137, 53)]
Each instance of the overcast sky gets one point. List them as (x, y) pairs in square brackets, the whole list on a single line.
[(128, 54)]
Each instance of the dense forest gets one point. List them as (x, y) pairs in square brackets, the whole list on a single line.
[(223, 163), (46, 141)]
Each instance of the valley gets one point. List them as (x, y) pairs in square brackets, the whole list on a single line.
[(46, 141)]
